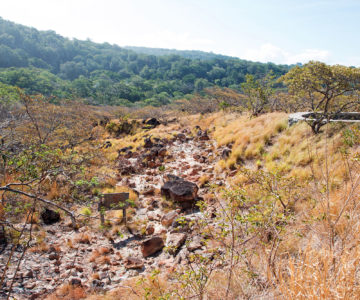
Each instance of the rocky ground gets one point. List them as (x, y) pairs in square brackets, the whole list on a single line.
[(169, 177)]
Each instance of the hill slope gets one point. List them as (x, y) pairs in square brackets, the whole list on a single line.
[(192, 54)]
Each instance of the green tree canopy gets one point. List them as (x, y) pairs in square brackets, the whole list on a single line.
[(326, 90)]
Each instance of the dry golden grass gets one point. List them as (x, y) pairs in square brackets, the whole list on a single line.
[(306, 267), (68, 292), (40, 248), (83, 238), (204, 179), (318, 274), (139, 288), (54, 191), (248, 137), (100, 256)]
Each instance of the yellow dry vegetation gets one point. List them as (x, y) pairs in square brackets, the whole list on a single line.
[(318, 256)]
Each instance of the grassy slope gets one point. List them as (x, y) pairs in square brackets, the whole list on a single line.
[(309, 264)]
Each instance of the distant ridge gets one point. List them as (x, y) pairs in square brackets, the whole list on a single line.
[(192, 54), (103, 74)]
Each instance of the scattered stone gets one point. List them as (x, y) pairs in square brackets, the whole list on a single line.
[(3, 240), (106, 145), (148, 143), (180, 225), (30, 285), (225, 153), (152, 123), (151, 246), (54, 256), (133, 263), (175, 241), (29, 274), (149, 191), (97, 283), (195, 243), (169, 218), (153, 216), (50, 217), (128, 154), (125, 149), (79, 269), (75, 281), (181, 137), (152, 204), (150, 229)]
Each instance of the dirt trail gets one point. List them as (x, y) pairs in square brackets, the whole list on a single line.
[(99, 261)]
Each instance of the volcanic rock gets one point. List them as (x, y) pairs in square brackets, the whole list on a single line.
[(50, 217), (175, 241), (181, 191), (225, 153), (133, 263), (151, 245), (169, 218)]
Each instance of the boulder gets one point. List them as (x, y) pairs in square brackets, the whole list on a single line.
[(150, 229), (107, 144), (50, 217), (128, 154), (152, 245), (181, 137), (169, 218), (153, 122), (162, 152), (181, 191), (125, 149), (204, 137), (127, 167), (175, 241), (75, 281), (225, 153), (3, 240), (181, 225), (148, 143), (133, 263), (149, 191)]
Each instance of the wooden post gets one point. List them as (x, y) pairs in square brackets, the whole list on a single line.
[(102, 217), (124, 215)]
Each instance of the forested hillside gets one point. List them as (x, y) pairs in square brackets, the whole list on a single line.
[(192, 54), (47, 63)]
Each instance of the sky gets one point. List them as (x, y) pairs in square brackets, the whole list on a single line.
[(279, 31)]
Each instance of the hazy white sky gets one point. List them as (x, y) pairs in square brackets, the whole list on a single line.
[(281, 31)]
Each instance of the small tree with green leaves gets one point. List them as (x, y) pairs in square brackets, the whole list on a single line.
[(326, 90), (258, 92)]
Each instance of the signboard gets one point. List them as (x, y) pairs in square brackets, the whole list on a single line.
[(113, 201)]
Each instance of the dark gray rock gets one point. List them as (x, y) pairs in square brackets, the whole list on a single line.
[(153, 122), (181, 191), (225, 153), (148, 143), (50, 217), (3, 239)]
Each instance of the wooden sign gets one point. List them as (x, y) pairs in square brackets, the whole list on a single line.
[(113, 201)]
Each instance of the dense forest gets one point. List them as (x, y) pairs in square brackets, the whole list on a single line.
[(192, 54), (47, 63)]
